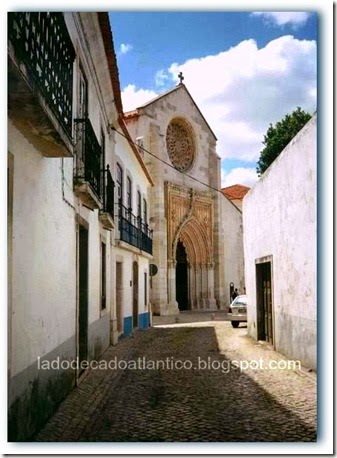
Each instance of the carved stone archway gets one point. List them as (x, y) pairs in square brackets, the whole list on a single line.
[(196, 242), (190, 221)]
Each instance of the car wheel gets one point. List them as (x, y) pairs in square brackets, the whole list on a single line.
[(235, 324)]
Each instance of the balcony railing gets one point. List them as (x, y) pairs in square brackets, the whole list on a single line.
[(133, 230), (146, 238), (88, 156), (42, 43)]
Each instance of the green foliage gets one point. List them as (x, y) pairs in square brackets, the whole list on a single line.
[(278, 137)]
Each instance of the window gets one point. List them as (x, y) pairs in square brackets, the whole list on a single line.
[(82, 114), (144, 211), (180, 144), (103, 150), (139, 207), (119, 181), (103, 276), (102, 167), (82, 110), (129, 193)]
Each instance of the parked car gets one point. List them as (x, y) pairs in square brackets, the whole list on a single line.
[(238, 311)]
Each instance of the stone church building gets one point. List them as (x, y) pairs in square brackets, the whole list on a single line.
[(197, 231)]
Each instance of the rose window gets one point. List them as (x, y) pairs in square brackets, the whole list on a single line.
[(180, 145)]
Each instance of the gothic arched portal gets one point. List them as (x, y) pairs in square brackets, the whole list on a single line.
[(190, 230), (194, 267)]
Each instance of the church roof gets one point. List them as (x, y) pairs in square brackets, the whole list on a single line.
[(136, 112), (235, 192)]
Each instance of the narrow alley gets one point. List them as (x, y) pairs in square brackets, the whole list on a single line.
[(135, 215), (195, 380)]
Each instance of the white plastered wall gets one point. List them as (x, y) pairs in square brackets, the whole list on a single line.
[(279, 215), (44, 253)]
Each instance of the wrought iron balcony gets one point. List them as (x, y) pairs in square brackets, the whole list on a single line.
[(106, 214), (88, 164), (133, 230), (146, 238), (40, 80)]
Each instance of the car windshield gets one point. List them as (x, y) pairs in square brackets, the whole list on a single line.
[(240, 301)]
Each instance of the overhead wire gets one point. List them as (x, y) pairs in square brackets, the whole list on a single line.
[(167, 163)]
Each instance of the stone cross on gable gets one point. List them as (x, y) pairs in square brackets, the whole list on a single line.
[(180, 76)]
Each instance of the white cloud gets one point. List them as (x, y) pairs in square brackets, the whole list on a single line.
[(161, 78), (125, 48), (245, 176), (295, 19), (133, 98), (242, 90)]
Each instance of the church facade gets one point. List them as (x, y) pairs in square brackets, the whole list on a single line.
[(197, 231)]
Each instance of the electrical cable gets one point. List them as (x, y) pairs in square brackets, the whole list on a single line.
[(167, 163)]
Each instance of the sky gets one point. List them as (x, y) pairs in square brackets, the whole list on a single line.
[(244, 70)]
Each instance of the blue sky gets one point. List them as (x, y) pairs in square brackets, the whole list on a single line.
[(245, 70)]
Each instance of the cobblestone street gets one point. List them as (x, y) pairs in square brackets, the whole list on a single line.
[(211, 400)]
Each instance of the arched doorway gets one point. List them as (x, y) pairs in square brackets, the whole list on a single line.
[(192, 268), (182, 277)]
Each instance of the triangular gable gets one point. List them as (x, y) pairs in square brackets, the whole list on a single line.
[(180, 86)]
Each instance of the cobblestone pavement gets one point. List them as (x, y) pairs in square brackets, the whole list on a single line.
[(211, 400)]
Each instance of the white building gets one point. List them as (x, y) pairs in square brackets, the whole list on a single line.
[(66, 254), (279, 217), (133, 235)]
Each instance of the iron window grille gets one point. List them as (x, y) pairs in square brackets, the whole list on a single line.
[(88, 155), (42, 43)]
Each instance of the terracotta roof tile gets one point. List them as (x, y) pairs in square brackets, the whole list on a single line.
[(235, 192), (131, 114)]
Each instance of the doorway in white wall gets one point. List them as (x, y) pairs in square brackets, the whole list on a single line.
[(135, 294), (83, 294), (119, 296), (264, 300)]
